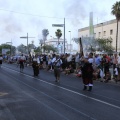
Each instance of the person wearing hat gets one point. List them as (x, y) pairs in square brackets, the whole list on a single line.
[(87, 74)]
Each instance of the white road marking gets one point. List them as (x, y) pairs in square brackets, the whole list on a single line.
[(101, 101), (88, 116)]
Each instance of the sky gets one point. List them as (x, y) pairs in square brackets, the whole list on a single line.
[(19, 17)]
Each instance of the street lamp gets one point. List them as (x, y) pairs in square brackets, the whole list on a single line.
[(70, 40)]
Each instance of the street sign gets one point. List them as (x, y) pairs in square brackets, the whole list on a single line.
[(58, 25), (27, 37), (23, 37)]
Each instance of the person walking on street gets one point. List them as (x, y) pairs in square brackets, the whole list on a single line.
[(1, 59), (87, 73), (21, 61), (35, 65), (57, 65)]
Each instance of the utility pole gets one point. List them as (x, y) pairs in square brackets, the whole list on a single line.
[(26, 37), (64, 35)]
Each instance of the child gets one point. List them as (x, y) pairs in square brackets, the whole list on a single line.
[(69, 70)]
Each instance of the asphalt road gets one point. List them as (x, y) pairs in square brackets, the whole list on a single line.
[(24, 97)]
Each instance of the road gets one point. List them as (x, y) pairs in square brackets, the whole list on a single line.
[(24, 97)]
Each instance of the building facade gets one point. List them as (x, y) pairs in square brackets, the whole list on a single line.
[(104, 30), (60, 45)]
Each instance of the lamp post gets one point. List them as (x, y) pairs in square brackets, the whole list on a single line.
[(70, 40)]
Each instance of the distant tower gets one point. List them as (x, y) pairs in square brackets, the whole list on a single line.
[(91, 28)]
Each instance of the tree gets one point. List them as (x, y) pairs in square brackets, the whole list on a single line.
[(105, 44), (7, 46), (37, 50), (49, 48), (45, 33), (116, 11), (31, 46), (89, 44), (22, 48), (58, 34)]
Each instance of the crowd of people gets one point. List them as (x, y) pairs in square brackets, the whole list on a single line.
[(89, 66)]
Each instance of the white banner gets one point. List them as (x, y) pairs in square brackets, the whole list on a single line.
[(4, 51)]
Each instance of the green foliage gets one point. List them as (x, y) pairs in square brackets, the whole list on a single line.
[(31, 46), (7, 46), (58, 34), (45, 33), (76, 40), (116, 10), (105, 44), (38, 50), (22, 48), (49, 48)]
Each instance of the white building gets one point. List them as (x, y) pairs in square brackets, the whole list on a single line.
[(103, 30), (60, 46)]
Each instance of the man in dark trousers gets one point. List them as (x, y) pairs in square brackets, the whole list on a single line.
[(87, 74), (21, 61), (35, 66), (57, 65)]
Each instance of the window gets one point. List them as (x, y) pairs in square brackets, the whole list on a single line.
[(95, 35), (99, 34), (104, 33), (111, 32)]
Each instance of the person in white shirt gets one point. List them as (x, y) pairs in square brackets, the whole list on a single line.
[(115, 62), (1, 59), (57, 65), (52, 61), (116, 73)]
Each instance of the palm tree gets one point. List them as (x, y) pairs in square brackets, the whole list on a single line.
[(116, 11), (58, 34), (45, 33)]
